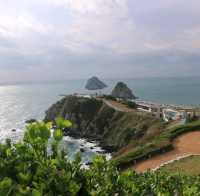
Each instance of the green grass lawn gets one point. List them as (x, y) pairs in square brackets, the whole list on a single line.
[(187, 166)]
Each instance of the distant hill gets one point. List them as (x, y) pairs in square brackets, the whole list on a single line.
[(95, 84)]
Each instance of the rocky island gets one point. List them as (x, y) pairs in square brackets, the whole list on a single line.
[(95, 84), (122, 91)]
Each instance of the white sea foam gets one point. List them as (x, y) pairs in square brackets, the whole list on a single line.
[(90, 148)]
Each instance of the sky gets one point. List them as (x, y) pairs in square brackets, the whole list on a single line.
[(70, 39)]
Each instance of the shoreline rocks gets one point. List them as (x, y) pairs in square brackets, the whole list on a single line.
[(82, 150), (30, 121)]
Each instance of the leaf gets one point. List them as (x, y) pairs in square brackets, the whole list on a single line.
[(36, 193), (67, 124), (8, 152), (74, 187), (62, 123), (77, 159), (5, 183), (45, 132), (59, 122), (58, 134), (24, 178), (49, 125)]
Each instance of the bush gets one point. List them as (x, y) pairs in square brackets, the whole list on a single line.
[(131, 104), (110, 97), (28, 169)]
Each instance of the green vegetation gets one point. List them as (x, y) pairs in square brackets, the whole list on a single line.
[(128, 127), (160, 143), (186, 166), (28, 169), (109, 97), (129, 104)]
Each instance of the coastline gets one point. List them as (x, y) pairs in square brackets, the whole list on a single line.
[(87, 148), (15, 111), (72, 145)]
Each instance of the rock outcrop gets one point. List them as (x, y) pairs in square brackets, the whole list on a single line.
[(94, 120), (30, 121), (122, 91), (95, 84)]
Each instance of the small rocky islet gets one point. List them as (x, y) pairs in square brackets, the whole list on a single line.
[(95, 83), (122, 91)]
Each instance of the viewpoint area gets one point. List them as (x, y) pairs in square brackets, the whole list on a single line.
[(99, 98)]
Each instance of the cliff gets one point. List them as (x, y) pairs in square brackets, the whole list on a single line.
[(94, 120)]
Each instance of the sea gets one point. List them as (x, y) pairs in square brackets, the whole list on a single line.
[(23, 101)]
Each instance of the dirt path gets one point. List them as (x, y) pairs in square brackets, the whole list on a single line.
[(117, 106), (186, 144)]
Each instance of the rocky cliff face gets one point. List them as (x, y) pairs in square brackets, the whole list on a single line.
[(95, 84), (121, 90), (94, 120)]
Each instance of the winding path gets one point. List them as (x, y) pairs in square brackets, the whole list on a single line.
[(117, 106), (184, 145)]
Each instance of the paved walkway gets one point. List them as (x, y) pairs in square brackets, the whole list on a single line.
[(184, 145)]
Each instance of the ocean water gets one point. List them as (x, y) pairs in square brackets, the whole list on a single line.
[(20, 102)]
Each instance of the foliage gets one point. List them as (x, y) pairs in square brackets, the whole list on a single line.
[(28, 169), (110, 97), (88, 108), (131, 104)]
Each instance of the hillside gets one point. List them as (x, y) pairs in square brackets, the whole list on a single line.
[(95, 120), (133, 136), (184, 145), (151, 149)]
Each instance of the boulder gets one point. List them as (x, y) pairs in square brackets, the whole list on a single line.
[(82, 150), (122, 91)]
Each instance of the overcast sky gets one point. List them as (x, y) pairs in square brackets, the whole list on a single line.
[(66, 39)]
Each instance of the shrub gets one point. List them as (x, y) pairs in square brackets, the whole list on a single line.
[(110, 97), (27, 168), (131, 104)]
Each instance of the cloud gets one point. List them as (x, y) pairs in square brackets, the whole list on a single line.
[(99, 24), (111, 38)]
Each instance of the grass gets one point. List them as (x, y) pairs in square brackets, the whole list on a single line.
[(186, 166), (157, 145)]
